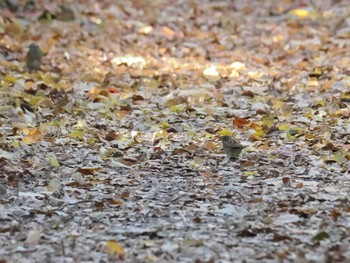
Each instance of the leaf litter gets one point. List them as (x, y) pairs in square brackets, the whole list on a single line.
[(110, 149)]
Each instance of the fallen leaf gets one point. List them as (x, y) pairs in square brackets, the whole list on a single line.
[(240, 122), (113, 247)]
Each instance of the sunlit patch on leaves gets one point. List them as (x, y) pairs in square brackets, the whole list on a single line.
[(238, 66), (211, 73), (256, 76), (130, 61), (145, 30)]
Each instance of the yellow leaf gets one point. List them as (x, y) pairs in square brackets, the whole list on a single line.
[(286, 110), (313, 82), (225, 132), (268, 121), (53, 161), (9, 79), (260, 133), (35, 100), (81, 123), (33, 136), (160, 134), (290, 137), (345, 97), (191, 132), (234, 74), (340, 156), (153, 84), (113, 247), (300, 13), (283, 127), (176, 108), (257, 135), (76, 134), (15, 144), (165, 125), (251, 173), (256, 127), (321, 103), (277, 104)]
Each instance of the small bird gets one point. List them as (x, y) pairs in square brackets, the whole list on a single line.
[(231, 147), (33, 58)]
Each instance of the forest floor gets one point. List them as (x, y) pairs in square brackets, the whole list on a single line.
[(110, 152)]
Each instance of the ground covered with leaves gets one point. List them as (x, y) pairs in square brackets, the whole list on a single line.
[(110, 151)]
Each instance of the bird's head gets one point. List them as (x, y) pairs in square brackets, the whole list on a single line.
[(226, 139), (33, 46)]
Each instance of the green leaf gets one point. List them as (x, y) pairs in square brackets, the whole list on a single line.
[(53, 161)]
